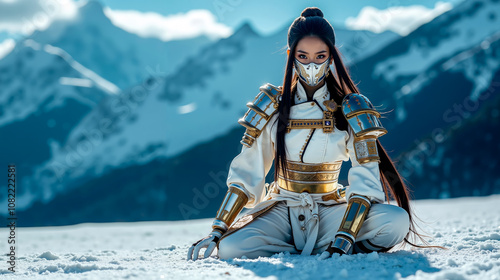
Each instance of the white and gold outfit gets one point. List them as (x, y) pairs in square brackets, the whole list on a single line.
[(306, 222)]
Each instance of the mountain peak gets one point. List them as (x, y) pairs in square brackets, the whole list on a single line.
[(246, 29), (92, 8)]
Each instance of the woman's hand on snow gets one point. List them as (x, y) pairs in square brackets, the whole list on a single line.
[(332, 249), (325, 255), (208, 242)]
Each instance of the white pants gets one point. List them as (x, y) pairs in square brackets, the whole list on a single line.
[(278, 231)]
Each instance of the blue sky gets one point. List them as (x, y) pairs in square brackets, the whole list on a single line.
[(169, 20), (265, 15)]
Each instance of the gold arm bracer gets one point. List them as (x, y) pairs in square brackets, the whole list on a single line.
[(231, 206), (357, 209)]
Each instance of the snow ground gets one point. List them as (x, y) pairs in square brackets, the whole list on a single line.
[(468, 227)]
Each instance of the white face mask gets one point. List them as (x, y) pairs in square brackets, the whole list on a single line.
[(312, 73)]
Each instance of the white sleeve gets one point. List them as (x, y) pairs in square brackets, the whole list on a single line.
[(249, 168), (363, 179)]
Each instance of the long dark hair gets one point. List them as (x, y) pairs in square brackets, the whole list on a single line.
[(312, 23)]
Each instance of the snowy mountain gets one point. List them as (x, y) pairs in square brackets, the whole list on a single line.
[(158, 250), (463, 27), (150, 119), (418, 73), (30, 73), (165, 188), (51, 80), (436, 162), (44, 94), (121, 57), (356, 45)]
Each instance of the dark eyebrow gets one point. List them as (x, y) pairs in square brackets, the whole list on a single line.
[(301, 51)]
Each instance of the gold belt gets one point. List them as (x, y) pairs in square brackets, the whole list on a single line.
[(309, 177)]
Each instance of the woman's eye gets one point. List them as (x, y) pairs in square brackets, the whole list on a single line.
[(302, 56), (320, 56)]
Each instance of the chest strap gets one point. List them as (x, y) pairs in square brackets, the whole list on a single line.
[(326, 123)]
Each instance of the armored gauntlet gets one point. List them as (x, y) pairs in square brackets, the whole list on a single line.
[(235, 199), (357, 209), (231, 206)]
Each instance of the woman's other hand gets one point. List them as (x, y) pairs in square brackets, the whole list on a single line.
[(208, 242)]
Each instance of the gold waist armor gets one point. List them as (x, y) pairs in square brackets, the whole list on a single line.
[(310, 177)]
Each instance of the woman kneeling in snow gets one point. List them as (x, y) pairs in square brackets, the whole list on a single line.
[(308, 127)]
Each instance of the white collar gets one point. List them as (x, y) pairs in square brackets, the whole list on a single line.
[(321, 94)]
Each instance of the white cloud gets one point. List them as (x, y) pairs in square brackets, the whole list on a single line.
[(25, 16), (401, 20), (6, 46), (174, 27)]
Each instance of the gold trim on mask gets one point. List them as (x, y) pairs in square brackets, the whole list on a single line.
[(321, 73)]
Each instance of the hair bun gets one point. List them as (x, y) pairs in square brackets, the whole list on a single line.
[(312, 12)]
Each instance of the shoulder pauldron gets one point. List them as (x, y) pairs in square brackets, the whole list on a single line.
[(259, 112), (363, 120)]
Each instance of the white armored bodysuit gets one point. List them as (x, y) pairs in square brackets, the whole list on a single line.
[(303, 222)]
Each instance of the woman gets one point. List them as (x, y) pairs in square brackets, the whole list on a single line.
[(303, 128)]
